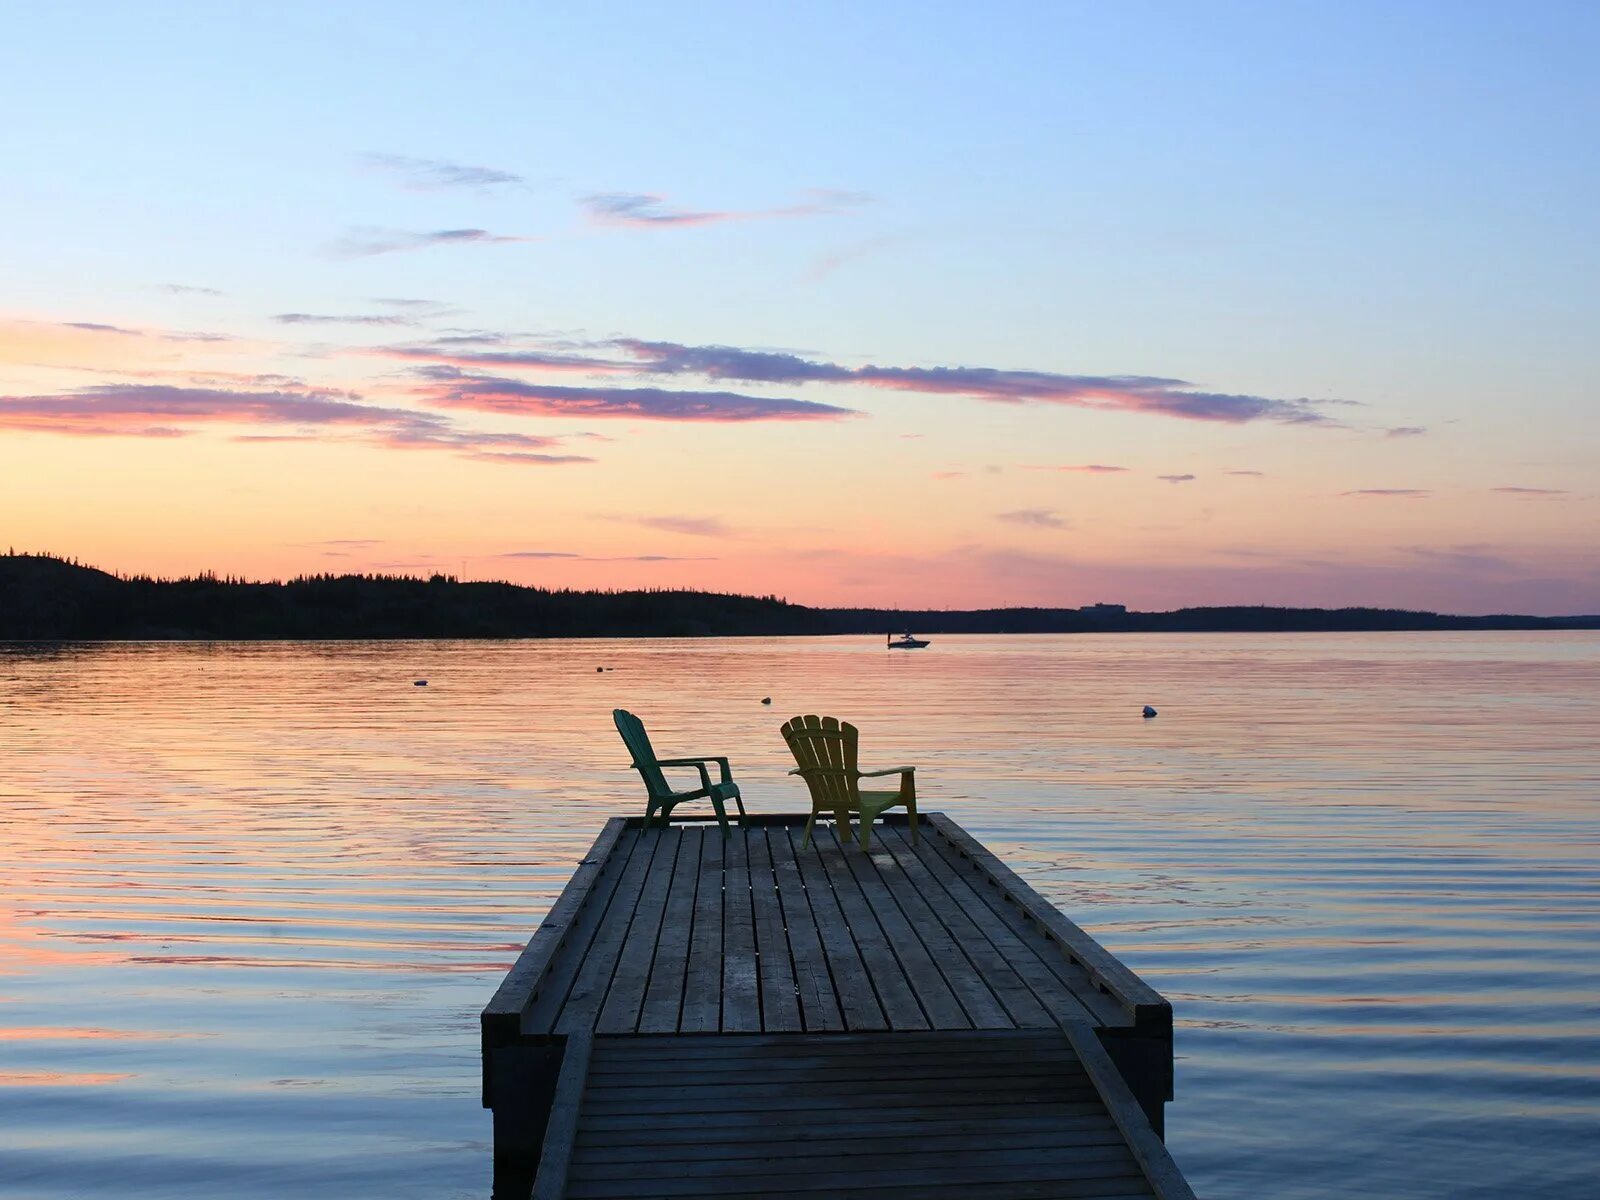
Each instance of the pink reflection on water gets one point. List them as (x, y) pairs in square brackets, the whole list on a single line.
[(35, 1079)]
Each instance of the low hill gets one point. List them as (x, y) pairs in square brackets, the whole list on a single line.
[(47, 598)]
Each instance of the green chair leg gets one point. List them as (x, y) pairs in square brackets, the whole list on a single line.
[(866, 831), (722, 814), (911, 812), (805, 842)]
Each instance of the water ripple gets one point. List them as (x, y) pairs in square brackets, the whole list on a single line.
[(253, 895)]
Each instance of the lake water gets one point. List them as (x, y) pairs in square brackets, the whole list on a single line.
[(252, 896)]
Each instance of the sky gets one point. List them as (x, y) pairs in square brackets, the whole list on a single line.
[(921, 305)]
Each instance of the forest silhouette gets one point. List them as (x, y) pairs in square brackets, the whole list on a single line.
[(43, 597)]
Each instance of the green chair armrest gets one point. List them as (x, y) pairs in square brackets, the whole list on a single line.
[(699, 764), (890, 771), (722, 764)]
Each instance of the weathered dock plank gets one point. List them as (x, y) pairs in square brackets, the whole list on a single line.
[(780, 993), (742, 1016), (663, 998), (702, 992)]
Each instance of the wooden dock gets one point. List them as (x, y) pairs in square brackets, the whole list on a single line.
[(740, 1017)]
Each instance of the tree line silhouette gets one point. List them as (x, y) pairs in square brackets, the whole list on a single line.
[(43, 597)]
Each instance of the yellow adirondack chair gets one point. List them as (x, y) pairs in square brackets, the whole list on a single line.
[(825, 749)]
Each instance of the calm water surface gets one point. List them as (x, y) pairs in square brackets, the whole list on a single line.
[(253, 896)]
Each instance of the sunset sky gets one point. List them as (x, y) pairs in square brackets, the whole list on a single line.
[(922, 305)]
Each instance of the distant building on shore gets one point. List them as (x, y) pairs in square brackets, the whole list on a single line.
[(1101, 612)]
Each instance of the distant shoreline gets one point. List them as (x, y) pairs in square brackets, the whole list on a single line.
[(47, 599)]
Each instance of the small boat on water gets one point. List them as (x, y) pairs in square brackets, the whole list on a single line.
[(905, 642)]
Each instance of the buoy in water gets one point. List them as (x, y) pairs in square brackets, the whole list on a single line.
[(420, 683), (766, 699), (1148, 711)]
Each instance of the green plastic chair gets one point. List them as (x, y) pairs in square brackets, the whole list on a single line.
[(661, 797), (825, 749)]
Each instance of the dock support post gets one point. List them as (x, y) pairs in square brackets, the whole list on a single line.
[(1145, 1064), (522, 1089)]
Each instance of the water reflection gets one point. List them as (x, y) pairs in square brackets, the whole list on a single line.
[(253, 895)]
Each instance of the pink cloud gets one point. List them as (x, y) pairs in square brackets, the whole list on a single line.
[(647, 210), (452, 388), (162, 410), (1126, 393), (1039, 518)]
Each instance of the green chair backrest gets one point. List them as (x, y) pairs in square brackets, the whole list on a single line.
[(644, 756), (824, 749)]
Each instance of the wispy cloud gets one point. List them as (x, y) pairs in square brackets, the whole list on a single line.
[(1138, 393), (714, 527), (948, 474), (1039, 518), (469, 337), (1085, 468), (198, 336), (414, 304), (1401, 431), (186, 289), (1530, 491), (445, 350), (454, 388), (366, 241), (826, 264), (1254, 474), (644, 210), (299, 318), (605, 558), (1398, 493), (1176, 478), (167, 411), (1126, 393), (434, 174), (97, 327), (488, 447), (124, 331), (648, 210)]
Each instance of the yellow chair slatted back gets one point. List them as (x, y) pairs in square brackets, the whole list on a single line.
[(825, 751)]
